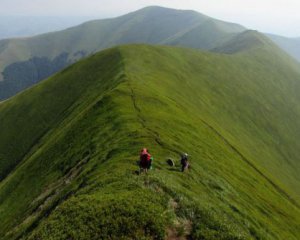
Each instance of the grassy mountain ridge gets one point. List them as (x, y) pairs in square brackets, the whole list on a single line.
[(153, 25), (76, 179), (251, 41)]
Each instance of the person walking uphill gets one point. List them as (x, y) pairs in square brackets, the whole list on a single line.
[(184, 162), (145, 160)]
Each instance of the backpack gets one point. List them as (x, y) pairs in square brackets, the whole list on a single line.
[(145, 157)]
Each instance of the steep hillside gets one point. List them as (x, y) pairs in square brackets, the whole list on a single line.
[(24, 62), (68, 165), (290, 45)]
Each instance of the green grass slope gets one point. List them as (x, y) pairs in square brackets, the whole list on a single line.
[(22, 60), (70, 163)]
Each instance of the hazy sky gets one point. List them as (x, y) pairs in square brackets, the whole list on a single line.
[(274, 16)]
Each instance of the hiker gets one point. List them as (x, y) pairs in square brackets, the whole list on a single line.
[(145, 160), (184, 162)]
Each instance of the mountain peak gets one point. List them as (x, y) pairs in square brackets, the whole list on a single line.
[(158, 11), (160, 8)]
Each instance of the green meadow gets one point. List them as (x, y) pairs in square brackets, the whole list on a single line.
[(70, 146)]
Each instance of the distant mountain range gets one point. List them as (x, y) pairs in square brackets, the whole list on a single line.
[(27, 26), (290, 45), (24, 62)]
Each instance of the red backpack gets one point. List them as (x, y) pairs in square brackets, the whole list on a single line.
[(145, 157)]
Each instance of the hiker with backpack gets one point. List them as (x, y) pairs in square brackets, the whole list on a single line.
[(145, 160), (184, 162)]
